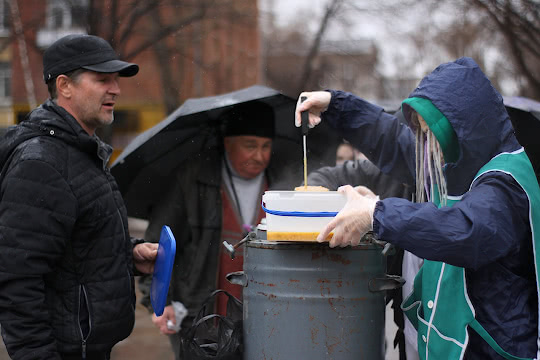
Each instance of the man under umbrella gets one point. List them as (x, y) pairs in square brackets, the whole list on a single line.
[(212, 197)]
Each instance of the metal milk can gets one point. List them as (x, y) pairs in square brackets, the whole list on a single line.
[(310, 301)]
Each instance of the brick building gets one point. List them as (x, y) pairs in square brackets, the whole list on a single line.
[(185, 48)]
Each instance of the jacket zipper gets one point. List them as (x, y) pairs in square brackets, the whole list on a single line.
[(84, 339), (127, 269), (106, 170), (126, 241)]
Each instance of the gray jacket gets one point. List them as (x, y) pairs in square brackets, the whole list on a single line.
[(360, 172)]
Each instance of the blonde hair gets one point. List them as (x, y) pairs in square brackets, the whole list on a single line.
[(429, 163)]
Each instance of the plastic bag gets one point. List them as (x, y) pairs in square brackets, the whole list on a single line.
[(213, 336)]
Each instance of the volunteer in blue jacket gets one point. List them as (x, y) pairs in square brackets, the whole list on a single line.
[(476, 215)]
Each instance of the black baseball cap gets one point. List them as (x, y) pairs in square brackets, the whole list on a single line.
[(88, 52)]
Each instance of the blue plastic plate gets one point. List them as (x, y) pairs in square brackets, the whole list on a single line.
[(162, 270)]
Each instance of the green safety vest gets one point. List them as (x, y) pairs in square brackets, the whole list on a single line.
[(439, 307)]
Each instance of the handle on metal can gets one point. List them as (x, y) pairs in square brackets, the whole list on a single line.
[(237, 278), (370, 238), (388, 282), (231, 249)]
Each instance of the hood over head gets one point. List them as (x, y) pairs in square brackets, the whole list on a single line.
[(467, 116)]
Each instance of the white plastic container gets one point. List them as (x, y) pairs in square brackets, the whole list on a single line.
[(304, 225)]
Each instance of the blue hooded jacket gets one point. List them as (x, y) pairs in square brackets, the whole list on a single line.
[(488, 231)]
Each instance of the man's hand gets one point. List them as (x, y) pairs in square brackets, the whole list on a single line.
[(161, 321), (144, 257), (354, 220), (316, 103)]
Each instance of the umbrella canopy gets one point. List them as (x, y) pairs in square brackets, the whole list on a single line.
[(525, 116), (145, 165), (523, 104)]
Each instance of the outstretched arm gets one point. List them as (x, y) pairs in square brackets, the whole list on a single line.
[(382, 137)]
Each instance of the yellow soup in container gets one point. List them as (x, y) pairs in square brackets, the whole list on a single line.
[(300, 216)]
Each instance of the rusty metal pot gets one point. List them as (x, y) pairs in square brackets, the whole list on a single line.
[(308, 301)]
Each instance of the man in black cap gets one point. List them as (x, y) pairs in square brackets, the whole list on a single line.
[(67, 262), (212, 198)]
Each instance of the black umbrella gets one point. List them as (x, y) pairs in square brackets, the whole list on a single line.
[(525, 116), (145, 165)]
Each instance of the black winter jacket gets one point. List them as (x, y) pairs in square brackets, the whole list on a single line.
[(191, 206), (66, 274)]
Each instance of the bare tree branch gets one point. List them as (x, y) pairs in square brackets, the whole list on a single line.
[(164, 32), (504, 17), (112, 22), (133, 15), (513, 24), (307, 68), (163, 55)]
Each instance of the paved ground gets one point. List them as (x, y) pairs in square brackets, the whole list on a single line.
[(145, 343)]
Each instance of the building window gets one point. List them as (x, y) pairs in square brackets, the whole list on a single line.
[(79, 13), (62, 14), (4, 18), (64, 17), (5, 81), (57, 18)]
